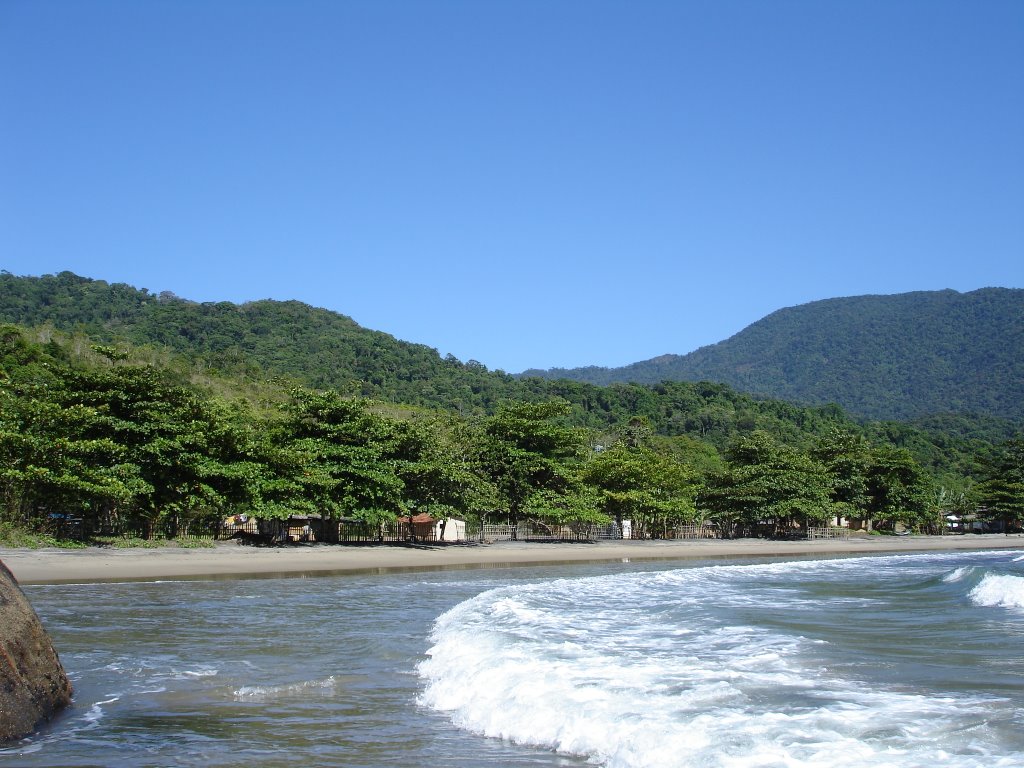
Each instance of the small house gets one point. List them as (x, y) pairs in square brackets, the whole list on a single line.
[(421, 525), (427, 528), (454, 530)]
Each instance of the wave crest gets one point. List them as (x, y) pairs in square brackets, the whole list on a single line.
[(999, 591), (263, 692), (631, 671)]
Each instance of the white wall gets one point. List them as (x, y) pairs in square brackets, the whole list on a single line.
[(454, 530)]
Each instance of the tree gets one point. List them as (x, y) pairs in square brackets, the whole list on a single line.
[(845, 457), (526, 450), (766, 483), (653, 491), (957, 500), (439, 468), (50, 467), (343, 450), (898, 489), (1001, 490), (165, 431), (636, 432)]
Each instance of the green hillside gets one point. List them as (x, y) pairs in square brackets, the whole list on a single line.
[(318, 348), (221, 345), (905, 356), (150, 413), (314, 347)]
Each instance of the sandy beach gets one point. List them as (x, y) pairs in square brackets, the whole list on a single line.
[(228, 560)]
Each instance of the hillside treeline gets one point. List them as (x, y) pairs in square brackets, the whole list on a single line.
[(315, 348), (126, 442), (906, 356), (816, 344)]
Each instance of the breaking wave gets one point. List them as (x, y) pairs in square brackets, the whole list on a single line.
[(999, 590), (695, 668)]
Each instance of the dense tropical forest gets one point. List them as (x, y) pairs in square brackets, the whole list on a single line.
[(150, 414), (906, 356)]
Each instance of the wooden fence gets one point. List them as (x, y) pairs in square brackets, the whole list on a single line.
[(827, 532), (695, 532), (314, 529), (537, 531)]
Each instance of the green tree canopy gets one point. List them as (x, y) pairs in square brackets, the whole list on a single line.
[(1001, 490), (526, 450), (766, 483), (346, 450), (898, 490), (655, 492)]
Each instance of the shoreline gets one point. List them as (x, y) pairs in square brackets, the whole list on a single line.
[(229, 561)]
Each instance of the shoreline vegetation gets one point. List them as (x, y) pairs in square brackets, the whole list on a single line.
[(106, 440), (228, 561)]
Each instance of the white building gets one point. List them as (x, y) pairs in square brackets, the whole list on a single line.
[(454, 530)]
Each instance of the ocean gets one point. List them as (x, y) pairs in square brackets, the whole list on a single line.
[(909, 660)]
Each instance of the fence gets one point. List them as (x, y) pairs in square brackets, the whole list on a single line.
[(314, 529), (610, 531), (491, 532), (78, 528), (695, 532), (828, 533), (537, 531)]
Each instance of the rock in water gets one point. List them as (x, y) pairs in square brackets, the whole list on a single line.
[(33, 684)]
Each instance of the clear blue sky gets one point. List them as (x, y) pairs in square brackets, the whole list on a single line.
[(526, 183)]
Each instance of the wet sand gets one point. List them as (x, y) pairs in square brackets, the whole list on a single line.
[(229, 560)]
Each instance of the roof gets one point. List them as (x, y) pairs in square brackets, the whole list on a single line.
[(422, 517)]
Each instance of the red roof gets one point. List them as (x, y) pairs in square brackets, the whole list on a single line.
[(422, 517)]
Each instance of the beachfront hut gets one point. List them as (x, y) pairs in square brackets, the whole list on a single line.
[(427, 528), (454, 530), (299, 528), (421, 525)]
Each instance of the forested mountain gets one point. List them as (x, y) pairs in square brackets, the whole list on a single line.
[(141, 410), (901, 357), (314, 347), (318, 348), (254, 342), (904, 356)]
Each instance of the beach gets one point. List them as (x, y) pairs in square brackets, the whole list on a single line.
[(229, 560)]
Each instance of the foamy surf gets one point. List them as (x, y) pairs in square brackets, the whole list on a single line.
[(655, 670), (996, 590), (958, 575), (262, 692)]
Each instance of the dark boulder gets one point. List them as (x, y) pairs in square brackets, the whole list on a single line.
[(33, 685)]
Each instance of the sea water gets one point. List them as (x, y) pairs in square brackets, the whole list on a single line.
[(895, 661)]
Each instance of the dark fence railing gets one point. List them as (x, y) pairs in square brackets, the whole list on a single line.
[(538, 531), (310, 530)]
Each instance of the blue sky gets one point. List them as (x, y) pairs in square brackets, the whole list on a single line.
[(529, 183)]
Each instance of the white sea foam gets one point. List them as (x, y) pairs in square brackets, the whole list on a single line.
[(90, 720), (159, 669), (264, 692), (95, 713), (999, 591), (959, 574), (633, 670)]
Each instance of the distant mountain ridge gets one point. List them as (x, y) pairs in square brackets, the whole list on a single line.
[(312, 346), (901, 356)]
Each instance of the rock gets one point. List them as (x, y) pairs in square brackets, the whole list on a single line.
[(33, 684)]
